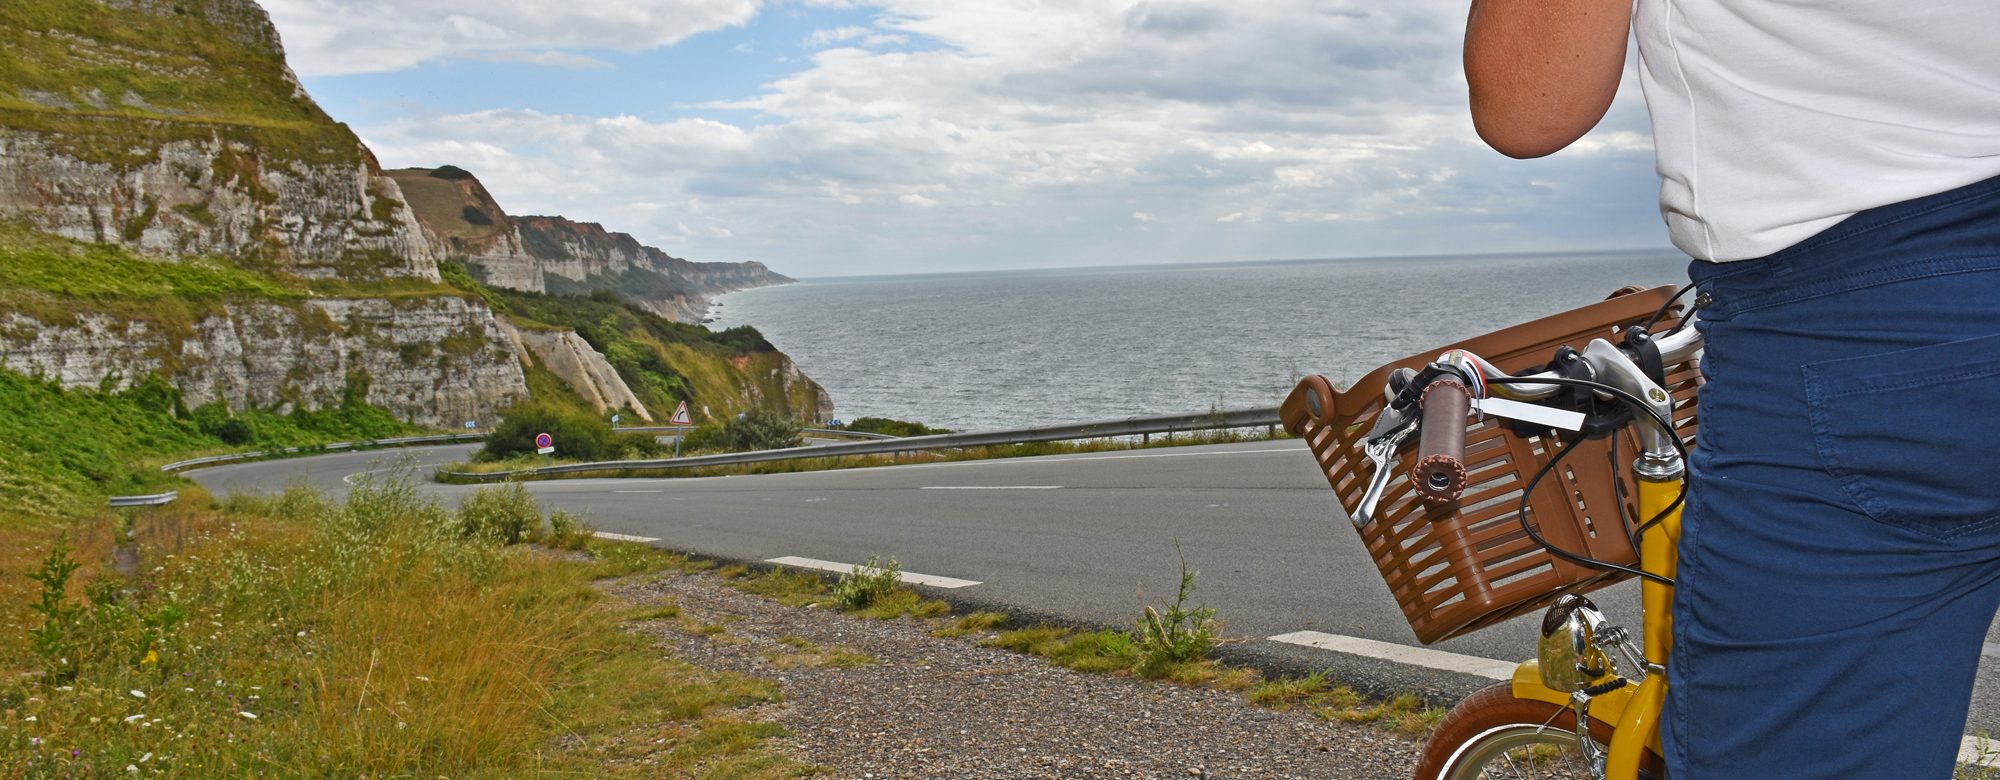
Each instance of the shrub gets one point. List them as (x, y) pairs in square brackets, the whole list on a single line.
[(867, 584), (759, 429), (577, 434), (506, 514), (473, 215), (888, 427), (640, 446), (567, 531), (1179, 636)]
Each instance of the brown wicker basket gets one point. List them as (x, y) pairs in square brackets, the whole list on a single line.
[(1465, 567)]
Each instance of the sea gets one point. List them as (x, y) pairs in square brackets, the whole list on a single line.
[(996, 350)]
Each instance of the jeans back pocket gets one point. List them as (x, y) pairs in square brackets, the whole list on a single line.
[(1913, 436)]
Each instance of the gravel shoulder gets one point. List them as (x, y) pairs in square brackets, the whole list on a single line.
[(887, 699)]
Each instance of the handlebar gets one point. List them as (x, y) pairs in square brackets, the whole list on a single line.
[(1439, 475)]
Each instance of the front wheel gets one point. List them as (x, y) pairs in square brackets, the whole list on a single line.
[(1494, 736)]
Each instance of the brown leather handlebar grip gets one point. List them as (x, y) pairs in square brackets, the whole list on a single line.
[(1439, 475)]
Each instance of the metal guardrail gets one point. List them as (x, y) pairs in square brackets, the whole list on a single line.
[(1133, 426), (686, 428), (156, 499), (334, 447)]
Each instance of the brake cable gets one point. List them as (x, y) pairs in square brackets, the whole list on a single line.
[(1680, 448)]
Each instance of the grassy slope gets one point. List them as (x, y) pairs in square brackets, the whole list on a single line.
[(290, 636), (664, 362), (113, 85)]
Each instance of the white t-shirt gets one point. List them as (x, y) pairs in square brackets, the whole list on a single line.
[(1775, 119)]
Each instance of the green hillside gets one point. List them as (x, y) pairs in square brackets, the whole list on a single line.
[(113, 84)]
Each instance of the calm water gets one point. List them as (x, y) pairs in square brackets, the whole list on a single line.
[(1004, 350)]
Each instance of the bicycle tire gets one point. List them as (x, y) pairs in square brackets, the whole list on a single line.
[(1536, 739)]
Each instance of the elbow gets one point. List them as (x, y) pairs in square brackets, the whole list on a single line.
[(1525, 129), (1519, 141)]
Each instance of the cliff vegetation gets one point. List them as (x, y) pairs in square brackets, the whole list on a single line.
[(113, 82)]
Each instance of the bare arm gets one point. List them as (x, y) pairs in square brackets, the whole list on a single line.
[(1543, 72)]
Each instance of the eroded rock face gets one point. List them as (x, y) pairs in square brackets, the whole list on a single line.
[(219, 197), (433, 361), (574, 361)]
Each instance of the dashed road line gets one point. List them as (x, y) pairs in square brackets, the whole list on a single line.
[(992, 487), (909, 577), (1402, 654), (625, 537)]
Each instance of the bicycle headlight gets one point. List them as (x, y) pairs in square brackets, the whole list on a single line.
[(1569, 658)]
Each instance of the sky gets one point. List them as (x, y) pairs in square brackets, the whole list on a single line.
[(847, 137)]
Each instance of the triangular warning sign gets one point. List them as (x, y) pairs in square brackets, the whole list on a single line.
[(681, 416)]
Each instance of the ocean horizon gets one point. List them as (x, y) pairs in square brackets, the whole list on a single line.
[(995, 349)]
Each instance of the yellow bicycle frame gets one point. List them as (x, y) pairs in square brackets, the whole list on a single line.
[(1634, 713)]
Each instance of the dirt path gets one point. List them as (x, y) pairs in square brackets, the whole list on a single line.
[(886, 699)]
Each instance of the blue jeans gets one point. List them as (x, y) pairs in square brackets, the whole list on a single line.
[(1840, 553)]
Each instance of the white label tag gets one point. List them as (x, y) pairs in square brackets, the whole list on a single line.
[(1539, 415)]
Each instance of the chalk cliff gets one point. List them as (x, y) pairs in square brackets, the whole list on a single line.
[(173, 203), (564, 256)]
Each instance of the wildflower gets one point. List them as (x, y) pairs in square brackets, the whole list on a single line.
[(151, 658), (138, 694), (31, 718), (250, 715), (131, 768), (130, 718)]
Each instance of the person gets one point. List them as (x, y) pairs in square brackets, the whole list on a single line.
[(1831, 169)]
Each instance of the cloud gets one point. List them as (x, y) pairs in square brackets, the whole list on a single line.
[(333, 37), (559, 59), (825, 37), (1021, 131)]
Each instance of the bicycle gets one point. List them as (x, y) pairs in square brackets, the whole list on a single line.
[(1468, 529)]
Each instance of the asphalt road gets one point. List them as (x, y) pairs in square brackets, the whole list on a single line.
[(1074, 537)]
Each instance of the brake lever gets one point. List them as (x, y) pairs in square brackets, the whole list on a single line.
[(1390, 430)]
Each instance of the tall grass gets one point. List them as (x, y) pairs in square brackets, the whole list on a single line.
[(294, 636)]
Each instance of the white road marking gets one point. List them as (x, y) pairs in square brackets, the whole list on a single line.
[(1402, 654), (624, 538), (992, 487), (1969, 748), (910, 577), (1969, 751), (638, 491)]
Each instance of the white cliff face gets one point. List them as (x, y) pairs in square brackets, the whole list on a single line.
[(574, 361), (219, 197), (432, 361)]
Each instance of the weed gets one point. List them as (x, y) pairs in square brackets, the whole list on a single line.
[(1282, 693), (867, 583), (903, 602), (567, 531), (1985, 763), (505, 514), (807, 654), (787, 587), (1181, 635), (1403, 713), (53, 642), (971, 624)]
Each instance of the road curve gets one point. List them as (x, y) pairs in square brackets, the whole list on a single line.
[(1072, 537)]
